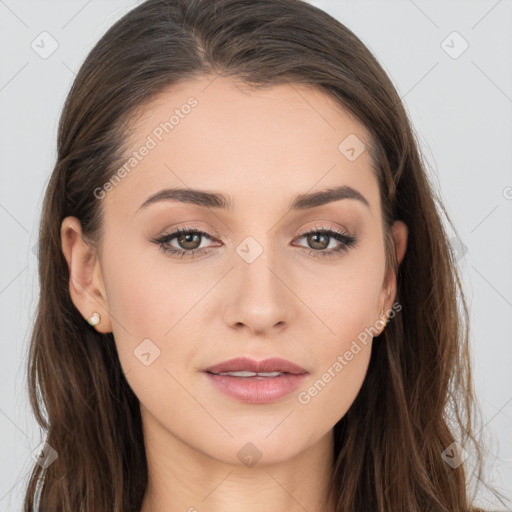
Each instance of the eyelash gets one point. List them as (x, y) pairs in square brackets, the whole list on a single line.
[(346, 241)]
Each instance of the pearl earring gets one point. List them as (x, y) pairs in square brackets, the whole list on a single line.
[(94, 319)]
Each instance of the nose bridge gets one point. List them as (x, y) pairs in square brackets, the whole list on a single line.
[(259, 297)]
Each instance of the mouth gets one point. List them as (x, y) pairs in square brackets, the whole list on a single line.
[(245, 367), (250, 381), (250, 375)]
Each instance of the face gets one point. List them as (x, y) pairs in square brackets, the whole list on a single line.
[(255, 280)]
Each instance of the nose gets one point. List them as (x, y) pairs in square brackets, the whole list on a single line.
[(259, 298)]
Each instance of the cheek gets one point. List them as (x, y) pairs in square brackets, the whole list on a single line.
[(346, 299), (156, 302), (146, 294), (136, 304), (344, 353), (347, 306)]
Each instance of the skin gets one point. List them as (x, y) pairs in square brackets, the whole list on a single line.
[(203, 310)]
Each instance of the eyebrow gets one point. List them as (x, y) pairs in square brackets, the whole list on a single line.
[(217, 200)]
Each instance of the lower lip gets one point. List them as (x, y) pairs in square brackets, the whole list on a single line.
[(257, 390)]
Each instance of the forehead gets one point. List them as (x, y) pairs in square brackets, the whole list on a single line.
[(252, 144)]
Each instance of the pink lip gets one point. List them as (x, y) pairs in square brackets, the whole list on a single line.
[(274, 364), (257, 390)]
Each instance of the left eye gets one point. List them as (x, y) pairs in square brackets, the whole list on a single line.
[(319, 240), (190, 241)]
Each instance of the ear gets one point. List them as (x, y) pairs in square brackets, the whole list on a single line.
[(86, 285), (400, 233)]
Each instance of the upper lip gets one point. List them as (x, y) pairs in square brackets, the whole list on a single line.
[(274, 364)]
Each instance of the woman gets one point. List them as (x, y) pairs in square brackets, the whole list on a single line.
[(247, 295)]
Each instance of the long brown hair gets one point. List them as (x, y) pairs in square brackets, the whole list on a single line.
[(417, 398)]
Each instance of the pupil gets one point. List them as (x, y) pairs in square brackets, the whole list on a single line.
[(188, 238), (316, 244)]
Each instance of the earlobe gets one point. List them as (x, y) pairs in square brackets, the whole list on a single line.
[(86, 285)]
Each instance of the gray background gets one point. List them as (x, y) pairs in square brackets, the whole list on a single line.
[(460, 104)]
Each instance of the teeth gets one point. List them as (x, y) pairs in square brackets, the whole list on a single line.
[(239, 374), (250, 374)]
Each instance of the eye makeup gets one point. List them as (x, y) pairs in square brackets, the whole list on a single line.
[(190, 235)]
